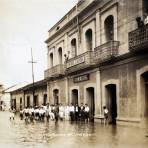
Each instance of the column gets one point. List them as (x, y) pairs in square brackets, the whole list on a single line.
[(98, 101), (67, 90), (98, 29)]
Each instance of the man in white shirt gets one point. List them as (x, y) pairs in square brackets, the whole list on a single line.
[(86, 111), (61, 111), (66, 112)]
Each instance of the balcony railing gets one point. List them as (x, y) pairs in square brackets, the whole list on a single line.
[(54, 71), (138, 39), (80, 61), (106, 51)]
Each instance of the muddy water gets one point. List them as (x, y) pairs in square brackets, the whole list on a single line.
[(63, 134)]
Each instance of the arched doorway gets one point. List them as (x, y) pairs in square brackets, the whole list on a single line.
[(89, 37), (74, 96), (111, 102), (56, 96), (73, 47), (90, 95), (109, 28), (51, 59), (144, 94), (60, 55)]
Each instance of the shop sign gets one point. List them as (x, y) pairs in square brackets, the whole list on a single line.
[(81, 78)]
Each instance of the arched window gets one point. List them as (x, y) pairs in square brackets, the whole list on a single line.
[(109, 28), (60, 55), (51, 59), (88, 37), (73, 47)]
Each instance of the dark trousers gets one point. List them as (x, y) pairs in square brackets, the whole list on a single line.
[(86, 116), (72, 116), (56, 116), (76, 116), (82, 116)]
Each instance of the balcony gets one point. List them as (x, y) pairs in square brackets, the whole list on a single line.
[(80, 62), (54, 71), (138, 39), (106, 51)]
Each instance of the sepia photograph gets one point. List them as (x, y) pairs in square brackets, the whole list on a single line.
[(73, 73)]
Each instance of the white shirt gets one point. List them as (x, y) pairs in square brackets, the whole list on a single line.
[(86, 109), (48, 109), (36, 110), (61, 109), (71, 109), (31, 110), (76, 108), (67, 109), (106, 111), (146, 20), (26, 110)]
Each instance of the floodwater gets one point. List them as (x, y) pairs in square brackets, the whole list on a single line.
[(63, 134)]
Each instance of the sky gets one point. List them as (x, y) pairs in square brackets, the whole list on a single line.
[(24, 24)]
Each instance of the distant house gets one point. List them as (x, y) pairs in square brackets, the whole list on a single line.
[(5, 94), (1, 95)]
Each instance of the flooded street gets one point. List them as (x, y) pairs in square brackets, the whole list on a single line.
[(17, 134)]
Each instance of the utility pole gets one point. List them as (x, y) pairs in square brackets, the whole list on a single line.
[(32, 62)]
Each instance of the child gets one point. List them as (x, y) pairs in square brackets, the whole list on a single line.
[(105, 114), (12, 111)]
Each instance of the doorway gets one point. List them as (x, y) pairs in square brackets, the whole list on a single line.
[(144, 92), (90, 94), (14, 104), (45, 99), (109, 28), (28, 101), (74, 96), (35, 101), (56, 96), (60, 55), (89, 39), (111, 102)]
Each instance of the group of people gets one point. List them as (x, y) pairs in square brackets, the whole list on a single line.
[(142, 21), (56, 112)]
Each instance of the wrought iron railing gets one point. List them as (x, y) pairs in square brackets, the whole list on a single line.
[(138, 39), (54, 71), (80, 61), (106, 51)]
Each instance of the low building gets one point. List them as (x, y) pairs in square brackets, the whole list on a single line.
[(23, 96)]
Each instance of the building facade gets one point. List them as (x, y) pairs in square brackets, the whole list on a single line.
[(23, 97), (98, 55)]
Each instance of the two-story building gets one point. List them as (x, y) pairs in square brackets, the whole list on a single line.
[(98, 55)]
